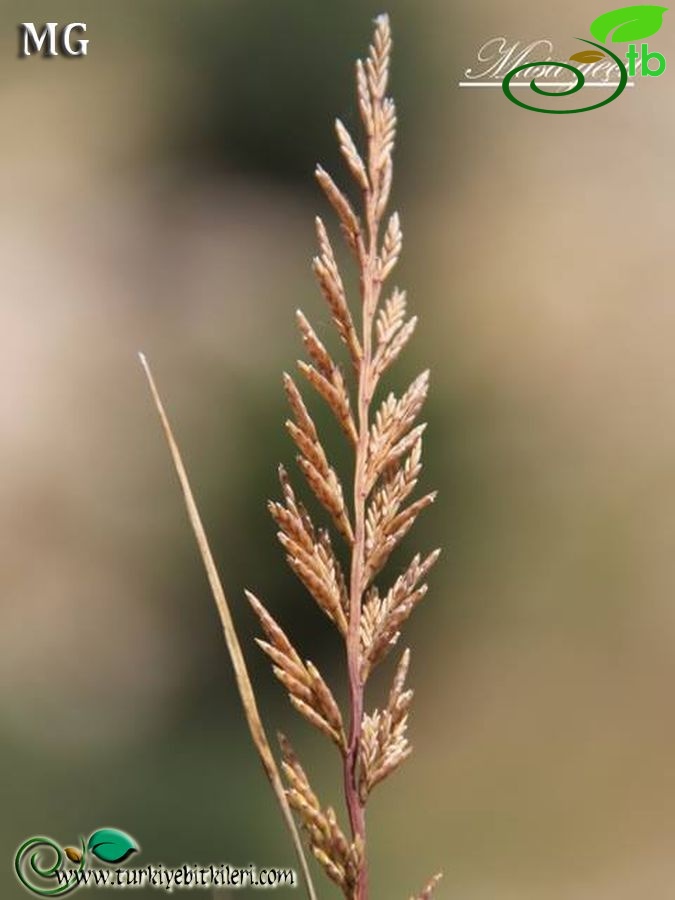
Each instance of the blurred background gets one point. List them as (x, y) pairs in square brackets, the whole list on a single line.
[(158, 195)]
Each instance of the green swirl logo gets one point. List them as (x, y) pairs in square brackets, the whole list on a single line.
[(37, 874), (580, 82), (630, 23), (40, 863)]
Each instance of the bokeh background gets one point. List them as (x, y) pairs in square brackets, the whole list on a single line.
[(158, 195)]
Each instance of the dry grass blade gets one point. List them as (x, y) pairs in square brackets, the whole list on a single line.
[(241, 673)]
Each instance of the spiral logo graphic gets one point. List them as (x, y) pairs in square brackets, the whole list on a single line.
[(38, 875), (580, 82)]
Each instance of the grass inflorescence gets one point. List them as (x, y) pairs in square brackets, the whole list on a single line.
[(340, 561)]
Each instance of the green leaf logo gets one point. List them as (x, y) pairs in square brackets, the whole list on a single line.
[(630, 23), (111, 845)]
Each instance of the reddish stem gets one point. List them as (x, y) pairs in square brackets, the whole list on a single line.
[(370, 292)]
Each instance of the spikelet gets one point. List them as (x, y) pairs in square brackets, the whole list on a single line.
[(383, 617), (384, 743), (335, 392), (391, 247), (386, 524), (429, 889), (393, 332), (390, 437), (310, 554), (351, 227), (378, 112), (328, 275), (390, 317), (307, 690), (352, 155), (320, 476), (394, 488), (340, 859), (394, 532)]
